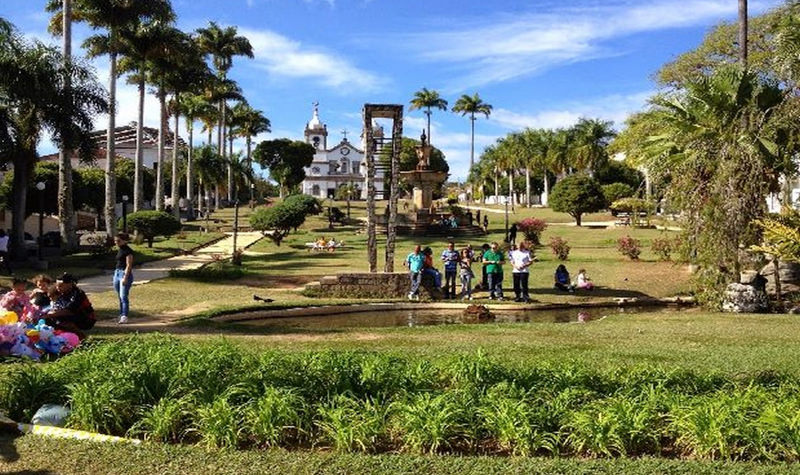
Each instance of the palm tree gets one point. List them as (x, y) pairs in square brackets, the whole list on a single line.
[(743, 33), (144, 43), (472, 105), (66, 213), (209, 168), (428, 99), (112, 16), (591, 138), (41, 91), (193, 106), (222, 44), (251, 123)]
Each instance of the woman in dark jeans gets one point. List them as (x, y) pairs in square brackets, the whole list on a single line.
[(123, 275)]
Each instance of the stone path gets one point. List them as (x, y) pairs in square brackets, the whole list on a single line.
[(159, 269)]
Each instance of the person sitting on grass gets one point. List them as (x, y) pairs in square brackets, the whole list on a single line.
[(40, 296), (430, 270), (17, 301), (71, 310), (415, 263), (493, 260), (332, 244), (583, 282), (561, 278)]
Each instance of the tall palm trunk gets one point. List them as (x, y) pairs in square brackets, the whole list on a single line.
[(189, 177), (138, 163), (546, 193), (66, 212), (162, 128), (210, 134), (110, 212), (528, 187), (483, 192), (176, 208), (23, 164), (496, 186), (428, 113), (232, 189), (472, 141), (511, 188), (250, 167), (743, 33)]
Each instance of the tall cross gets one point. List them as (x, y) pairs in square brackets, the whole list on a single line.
[(344, 133)]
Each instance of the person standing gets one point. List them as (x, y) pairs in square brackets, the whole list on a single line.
[(478, 218), (450, 257), (486, 223), (493, 260), (414, 262), (469, 217), (512, 233), (520, 261), (4, 251), (123, 275), (465, 266)]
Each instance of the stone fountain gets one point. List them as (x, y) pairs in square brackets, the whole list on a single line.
[(424, 180)]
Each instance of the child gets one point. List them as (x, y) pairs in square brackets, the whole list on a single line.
[(465, 265), (40, 296), (561, 278), (583, 282), (16, 300)]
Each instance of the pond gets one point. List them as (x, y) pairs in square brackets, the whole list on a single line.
[(425, 317)]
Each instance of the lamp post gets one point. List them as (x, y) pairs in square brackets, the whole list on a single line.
[(507, 221), (234, 257), (41, 186), (252, 195), (125, 214)]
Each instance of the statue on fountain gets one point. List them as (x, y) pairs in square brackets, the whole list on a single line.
[(423, 152)]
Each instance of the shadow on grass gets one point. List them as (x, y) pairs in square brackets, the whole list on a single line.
[(205, 326), (600, 292)]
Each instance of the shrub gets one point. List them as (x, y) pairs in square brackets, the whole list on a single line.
[(276, 418), (150, 224), (576, 195), (279, 220), (353, 425), (165, 421), (560, 248), (662, 247), (629, 247), (617, 191), (429, 422), (632, 206), (307, 203), (532, 228), (216, 271), (218, 423)]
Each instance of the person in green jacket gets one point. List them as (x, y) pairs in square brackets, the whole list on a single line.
[(494, 259)]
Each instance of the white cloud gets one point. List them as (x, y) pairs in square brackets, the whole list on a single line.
[(285, 58), (512, 47), (615, 108)]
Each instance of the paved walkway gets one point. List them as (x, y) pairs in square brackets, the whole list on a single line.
[(159, 269)]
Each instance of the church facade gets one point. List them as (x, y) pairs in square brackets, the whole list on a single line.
[(342, 164)]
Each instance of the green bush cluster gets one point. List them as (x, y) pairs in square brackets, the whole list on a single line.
[(280, 219), (213, 272), (220, 395), (152, 223)]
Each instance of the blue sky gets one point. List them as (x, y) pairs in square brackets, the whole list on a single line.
[(539, 63)]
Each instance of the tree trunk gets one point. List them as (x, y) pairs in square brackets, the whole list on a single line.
[(743, 33), (496, 186), (23, 164), (778, 296), (372, 245), (391, 225), (66, 212), (232, 188), (189, 177), (210, 134), (511, 189), (162, 129), (472, 141), (109, 212), (546, 193), (176, 208), (138, 162), (250, 167), (483, 193), (527, 187), (578, 220)]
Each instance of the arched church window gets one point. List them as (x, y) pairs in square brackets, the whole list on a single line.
[(315, 190)]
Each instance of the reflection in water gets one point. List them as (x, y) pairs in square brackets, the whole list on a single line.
[(423, 317)]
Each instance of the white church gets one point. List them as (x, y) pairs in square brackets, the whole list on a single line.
[(343, 164)]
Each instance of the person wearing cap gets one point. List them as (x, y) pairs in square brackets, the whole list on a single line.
[(71, 310)]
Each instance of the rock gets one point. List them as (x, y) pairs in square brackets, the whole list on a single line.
[(795, 310), (740, 298), (478, 313), (789, 273), (748, 277)]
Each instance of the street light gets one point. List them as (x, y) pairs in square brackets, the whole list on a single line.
[(252, 195), (125, 214), (40, 186)]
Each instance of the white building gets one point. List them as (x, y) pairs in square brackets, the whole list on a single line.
[(342, 164)]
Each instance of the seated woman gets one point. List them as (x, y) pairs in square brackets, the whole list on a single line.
[(71, 309), (561, 278), (583, 282), (332, 244)]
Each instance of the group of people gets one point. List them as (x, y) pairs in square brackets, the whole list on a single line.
[(322, 244), (458, 265), (60, 303)]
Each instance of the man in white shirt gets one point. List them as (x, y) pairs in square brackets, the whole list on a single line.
[(520, 262)]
